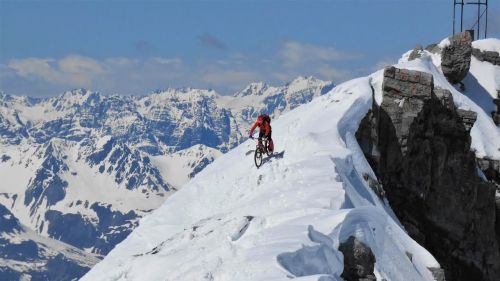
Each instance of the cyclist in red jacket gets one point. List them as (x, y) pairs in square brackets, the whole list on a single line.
[(264, 124)]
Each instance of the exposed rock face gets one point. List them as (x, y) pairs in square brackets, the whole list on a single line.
[(491, 169), (489, 56), (39, 258), (419, 146), (437, 273), (496, 115), (433, 48), (493, 58), (359, 260), (416, 53), (455, 58)]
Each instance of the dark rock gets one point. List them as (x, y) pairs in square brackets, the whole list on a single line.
[(128, 165), (437, 273), (420, 151), (5, 158), (41, 262), (497, 213), (455, 58), (445, 98), (416, 53), (359, 260), (374, 185), (8, 222), (496, 114), (488, 56), (61, 268), (491, 169), (467, 117), (78, 230), (433, 48), (48, 183)]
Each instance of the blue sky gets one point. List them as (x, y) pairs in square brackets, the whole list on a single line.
[(134, 47)]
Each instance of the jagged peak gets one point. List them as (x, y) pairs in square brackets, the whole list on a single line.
[(305, 82), (77, 95), (255, 88), (181, 93), (298, 84)]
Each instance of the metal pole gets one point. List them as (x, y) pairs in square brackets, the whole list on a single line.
[(454, 5), (478, 18), (462, 17), (486, 22)]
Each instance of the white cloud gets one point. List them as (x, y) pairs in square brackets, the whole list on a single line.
[(121, 62), (226, 74), (295, 53), (110, 74), (166, 60), (34, 67), (331, 73), (71, 70), (78, 64)]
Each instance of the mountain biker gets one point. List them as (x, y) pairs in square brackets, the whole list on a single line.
[(264, 124)]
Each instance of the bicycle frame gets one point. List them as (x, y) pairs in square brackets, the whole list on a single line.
[(260, 150)]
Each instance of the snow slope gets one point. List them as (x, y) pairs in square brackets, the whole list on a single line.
[(287, 219), (236, 222), (83, 167)]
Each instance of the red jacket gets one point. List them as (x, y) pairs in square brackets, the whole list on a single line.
[(263, 126)]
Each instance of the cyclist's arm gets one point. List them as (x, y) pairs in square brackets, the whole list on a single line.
[(250, 133)]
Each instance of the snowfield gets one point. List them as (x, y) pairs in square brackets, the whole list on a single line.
[(287, 219)]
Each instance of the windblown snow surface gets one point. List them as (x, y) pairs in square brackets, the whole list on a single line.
[(287, 219)]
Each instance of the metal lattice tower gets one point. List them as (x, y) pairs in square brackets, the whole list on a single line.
[(482, 10)]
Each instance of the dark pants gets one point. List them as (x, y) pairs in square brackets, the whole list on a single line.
[(270, 144)]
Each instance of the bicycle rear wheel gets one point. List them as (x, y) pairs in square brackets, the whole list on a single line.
[(258, 157)]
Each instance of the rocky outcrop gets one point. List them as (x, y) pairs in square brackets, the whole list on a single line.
[(27, 256), (455, 58), (491, 169), (416, 53), (437, 273), (359, 260), (493, 58), (488, 56), (419, 146), (496, 115), (433, 48)]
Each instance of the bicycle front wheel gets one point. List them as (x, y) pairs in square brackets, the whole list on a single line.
[(258, 157)]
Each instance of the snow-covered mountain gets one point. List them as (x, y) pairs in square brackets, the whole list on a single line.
[(83, 167), (29, 256), (293, 218)]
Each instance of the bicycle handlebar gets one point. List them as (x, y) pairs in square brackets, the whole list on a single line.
[(263, 138)]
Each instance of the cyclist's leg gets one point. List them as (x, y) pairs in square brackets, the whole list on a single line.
[(270, 144), (261, 135)]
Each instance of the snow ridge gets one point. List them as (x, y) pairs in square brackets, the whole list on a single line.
[(287, 219)]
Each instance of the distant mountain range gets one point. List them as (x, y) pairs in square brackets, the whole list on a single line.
[(83, 167)]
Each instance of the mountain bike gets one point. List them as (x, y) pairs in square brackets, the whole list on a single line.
[(260, 150)]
